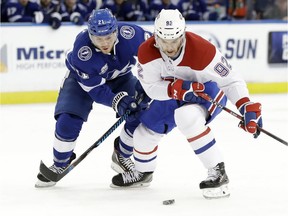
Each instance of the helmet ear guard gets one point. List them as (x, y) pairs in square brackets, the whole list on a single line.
[(102, 22), (169, 24)]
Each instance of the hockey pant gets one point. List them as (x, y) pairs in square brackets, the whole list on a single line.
[(72, 110), (191, 120)]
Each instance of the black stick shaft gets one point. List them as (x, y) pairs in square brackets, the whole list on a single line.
[(52, 176), (206, 97)]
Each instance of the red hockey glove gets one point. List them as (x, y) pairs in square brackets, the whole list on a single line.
[(251, 116), (186, 91)]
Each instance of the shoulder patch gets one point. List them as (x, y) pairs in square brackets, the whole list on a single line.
[(85, 53), (127, 32)]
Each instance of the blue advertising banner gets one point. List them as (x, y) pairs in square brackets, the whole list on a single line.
[(278, 47)]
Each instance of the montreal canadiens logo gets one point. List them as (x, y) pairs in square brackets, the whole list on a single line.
[(127, 32), (84, 53)]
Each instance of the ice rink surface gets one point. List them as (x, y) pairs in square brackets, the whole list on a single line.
[(257, 168)]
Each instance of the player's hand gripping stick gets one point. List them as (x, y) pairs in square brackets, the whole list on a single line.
[(186, 91), (208, 98)]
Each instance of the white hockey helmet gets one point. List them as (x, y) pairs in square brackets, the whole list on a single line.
[(169, 24)]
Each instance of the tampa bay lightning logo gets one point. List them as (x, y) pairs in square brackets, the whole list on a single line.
[(127, 32), (104, 69), (116, 73), (85, 53)]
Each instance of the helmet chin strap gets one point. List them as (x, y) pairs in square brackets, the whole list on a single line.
[(157, 43), (158, 46)]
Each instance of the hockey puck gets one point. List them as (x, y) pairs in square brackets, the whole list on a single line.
[(169, 202)]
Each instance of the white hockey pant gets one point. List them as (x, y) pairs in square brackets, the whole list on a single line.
[(145, 148), (190, 120)]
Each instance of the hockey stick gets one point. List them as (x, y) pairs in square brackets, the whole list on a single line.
[(55, 177), (208, 98)]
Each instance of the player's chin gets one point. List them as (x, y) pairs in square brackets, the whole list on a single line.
[(106, 50), (171, 54)]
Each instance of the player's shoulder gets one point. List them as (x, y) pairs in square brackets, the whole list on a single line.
[(83, 48), (147, 51), (130, 31), (129, 25), (197, 41), (200, 50), (83, 38)]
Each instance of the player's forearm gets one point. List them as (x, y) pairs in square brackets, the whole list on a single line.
[(236, 92), (102, 95), (157, 90)]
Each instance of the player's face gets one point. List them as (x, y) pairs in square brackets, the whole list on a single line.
[(104, 43), (170, 47)]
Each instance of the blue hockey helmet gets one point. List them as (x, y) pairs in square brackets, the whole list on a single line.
[(102, 22)]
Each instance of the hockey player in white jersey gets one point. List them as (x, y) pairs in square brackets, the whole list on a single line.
[(175, 68)]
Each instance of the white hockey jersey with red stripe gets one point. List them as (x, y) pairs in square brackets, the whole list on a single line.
[(199, 61)]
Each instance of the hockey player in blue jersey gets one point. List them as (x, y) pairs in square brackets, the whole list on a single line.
[(50, 9), (72, 11), (99, 70), (22, 11)]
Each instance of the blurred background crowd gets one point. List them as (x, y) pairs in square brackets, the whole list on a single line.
[(55, 12)]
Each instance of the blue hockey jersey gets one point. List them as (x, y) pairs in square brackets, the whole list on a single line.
[(14, 11), (93, 69)]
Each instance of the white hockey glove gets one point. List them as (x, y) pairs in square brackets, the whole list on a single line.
[(38, 17)]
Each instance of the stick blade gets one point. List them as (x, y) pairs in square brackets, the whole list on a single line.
[(49, 174)]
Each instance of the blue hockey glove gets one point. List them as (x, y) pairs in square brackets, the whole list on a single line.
[(55, 20), (123, 103), (213, 92), (186, 91), (251, 116)]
